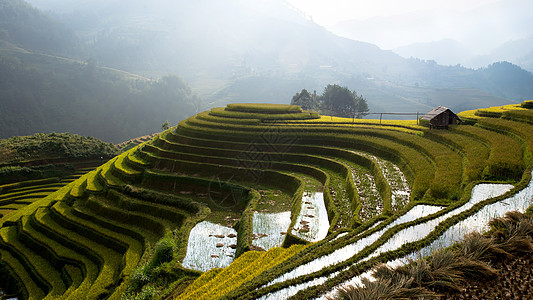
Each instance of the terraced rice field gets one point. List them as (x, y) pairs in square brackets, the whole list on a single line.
[(190, 213), (17, 195)]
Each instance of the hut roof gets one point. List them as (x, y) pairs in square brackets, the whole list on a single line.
[(435, 112)]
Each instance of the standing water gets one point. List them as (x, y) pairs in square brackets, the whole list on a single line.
[(480, 193), (269, 229), (477, 222), (312, 223), (210, 246), (350, 250)]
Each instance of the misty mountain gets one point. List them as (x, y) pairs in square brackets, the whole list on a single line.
[(22, 26), (452, 52), (480, 30), (43, 91), (255, 51), (444, 52), (266, 51), (519, 52)]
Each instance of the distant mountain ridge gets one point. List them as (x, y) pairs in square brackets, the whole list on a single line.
[(452, 52), (498, 31), (481, 29), (444, 52), (265, 51)]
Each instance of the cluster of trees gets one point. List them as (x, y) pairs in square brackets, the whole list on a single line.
[(335, 101), (41, 146), (28, 157)]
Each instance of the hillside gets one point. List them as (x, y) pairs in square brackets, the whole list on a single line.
[(26, 27), (264, 51), (42, 93), (49, 147), (49, 84), (480, 28), (452, 52), (229, 183), (33, 167)]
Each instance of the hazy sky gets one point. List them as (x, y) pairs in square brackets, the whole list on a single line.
[(330, 12)]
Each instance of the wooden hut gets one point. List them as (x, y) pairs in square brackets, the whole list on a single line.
[(441, 117)]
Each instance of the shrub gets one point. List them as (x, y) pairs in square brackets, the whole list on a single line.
[(41, 146), (527, 104), (164, 252), (140, 277)]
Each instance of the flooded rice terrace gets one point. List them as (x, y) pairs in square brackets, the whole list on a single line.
[(269, 229), (210, 246), (312, 223), (481, 192), (213, 246), (477, 222), (350, 250)]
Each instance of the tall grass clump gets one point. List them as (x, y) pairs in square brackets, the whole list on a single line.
[(164, 251), (144, 279)]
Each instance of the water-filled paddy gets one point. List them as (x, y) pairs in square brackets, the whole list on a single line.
[(417, 232), (210, 246), (312, 223), (480, 193), (269, 229), (350, 250), (477, 222)]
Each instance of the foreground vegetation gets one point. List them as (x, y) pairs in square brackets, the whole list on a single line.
[(122, 229), (447, 271)]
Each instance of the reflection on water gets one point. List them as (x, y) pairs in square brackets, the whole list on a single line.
[(312, 223), (414, 233), (477, 222), (350, 250), (210, 246), (480, 193), (269, 229)]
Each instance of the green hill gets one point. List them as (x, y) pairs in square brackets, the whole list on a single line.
[(50, 83), (43, 93), (128, 227)]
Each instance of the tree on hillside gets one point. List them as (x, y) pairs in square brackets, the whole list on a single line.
[(166, 125), (305, 100), (335, 101), (342, 102)]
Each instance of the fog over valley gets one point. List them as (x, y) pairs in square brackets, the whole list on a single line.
[(266, 51)]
